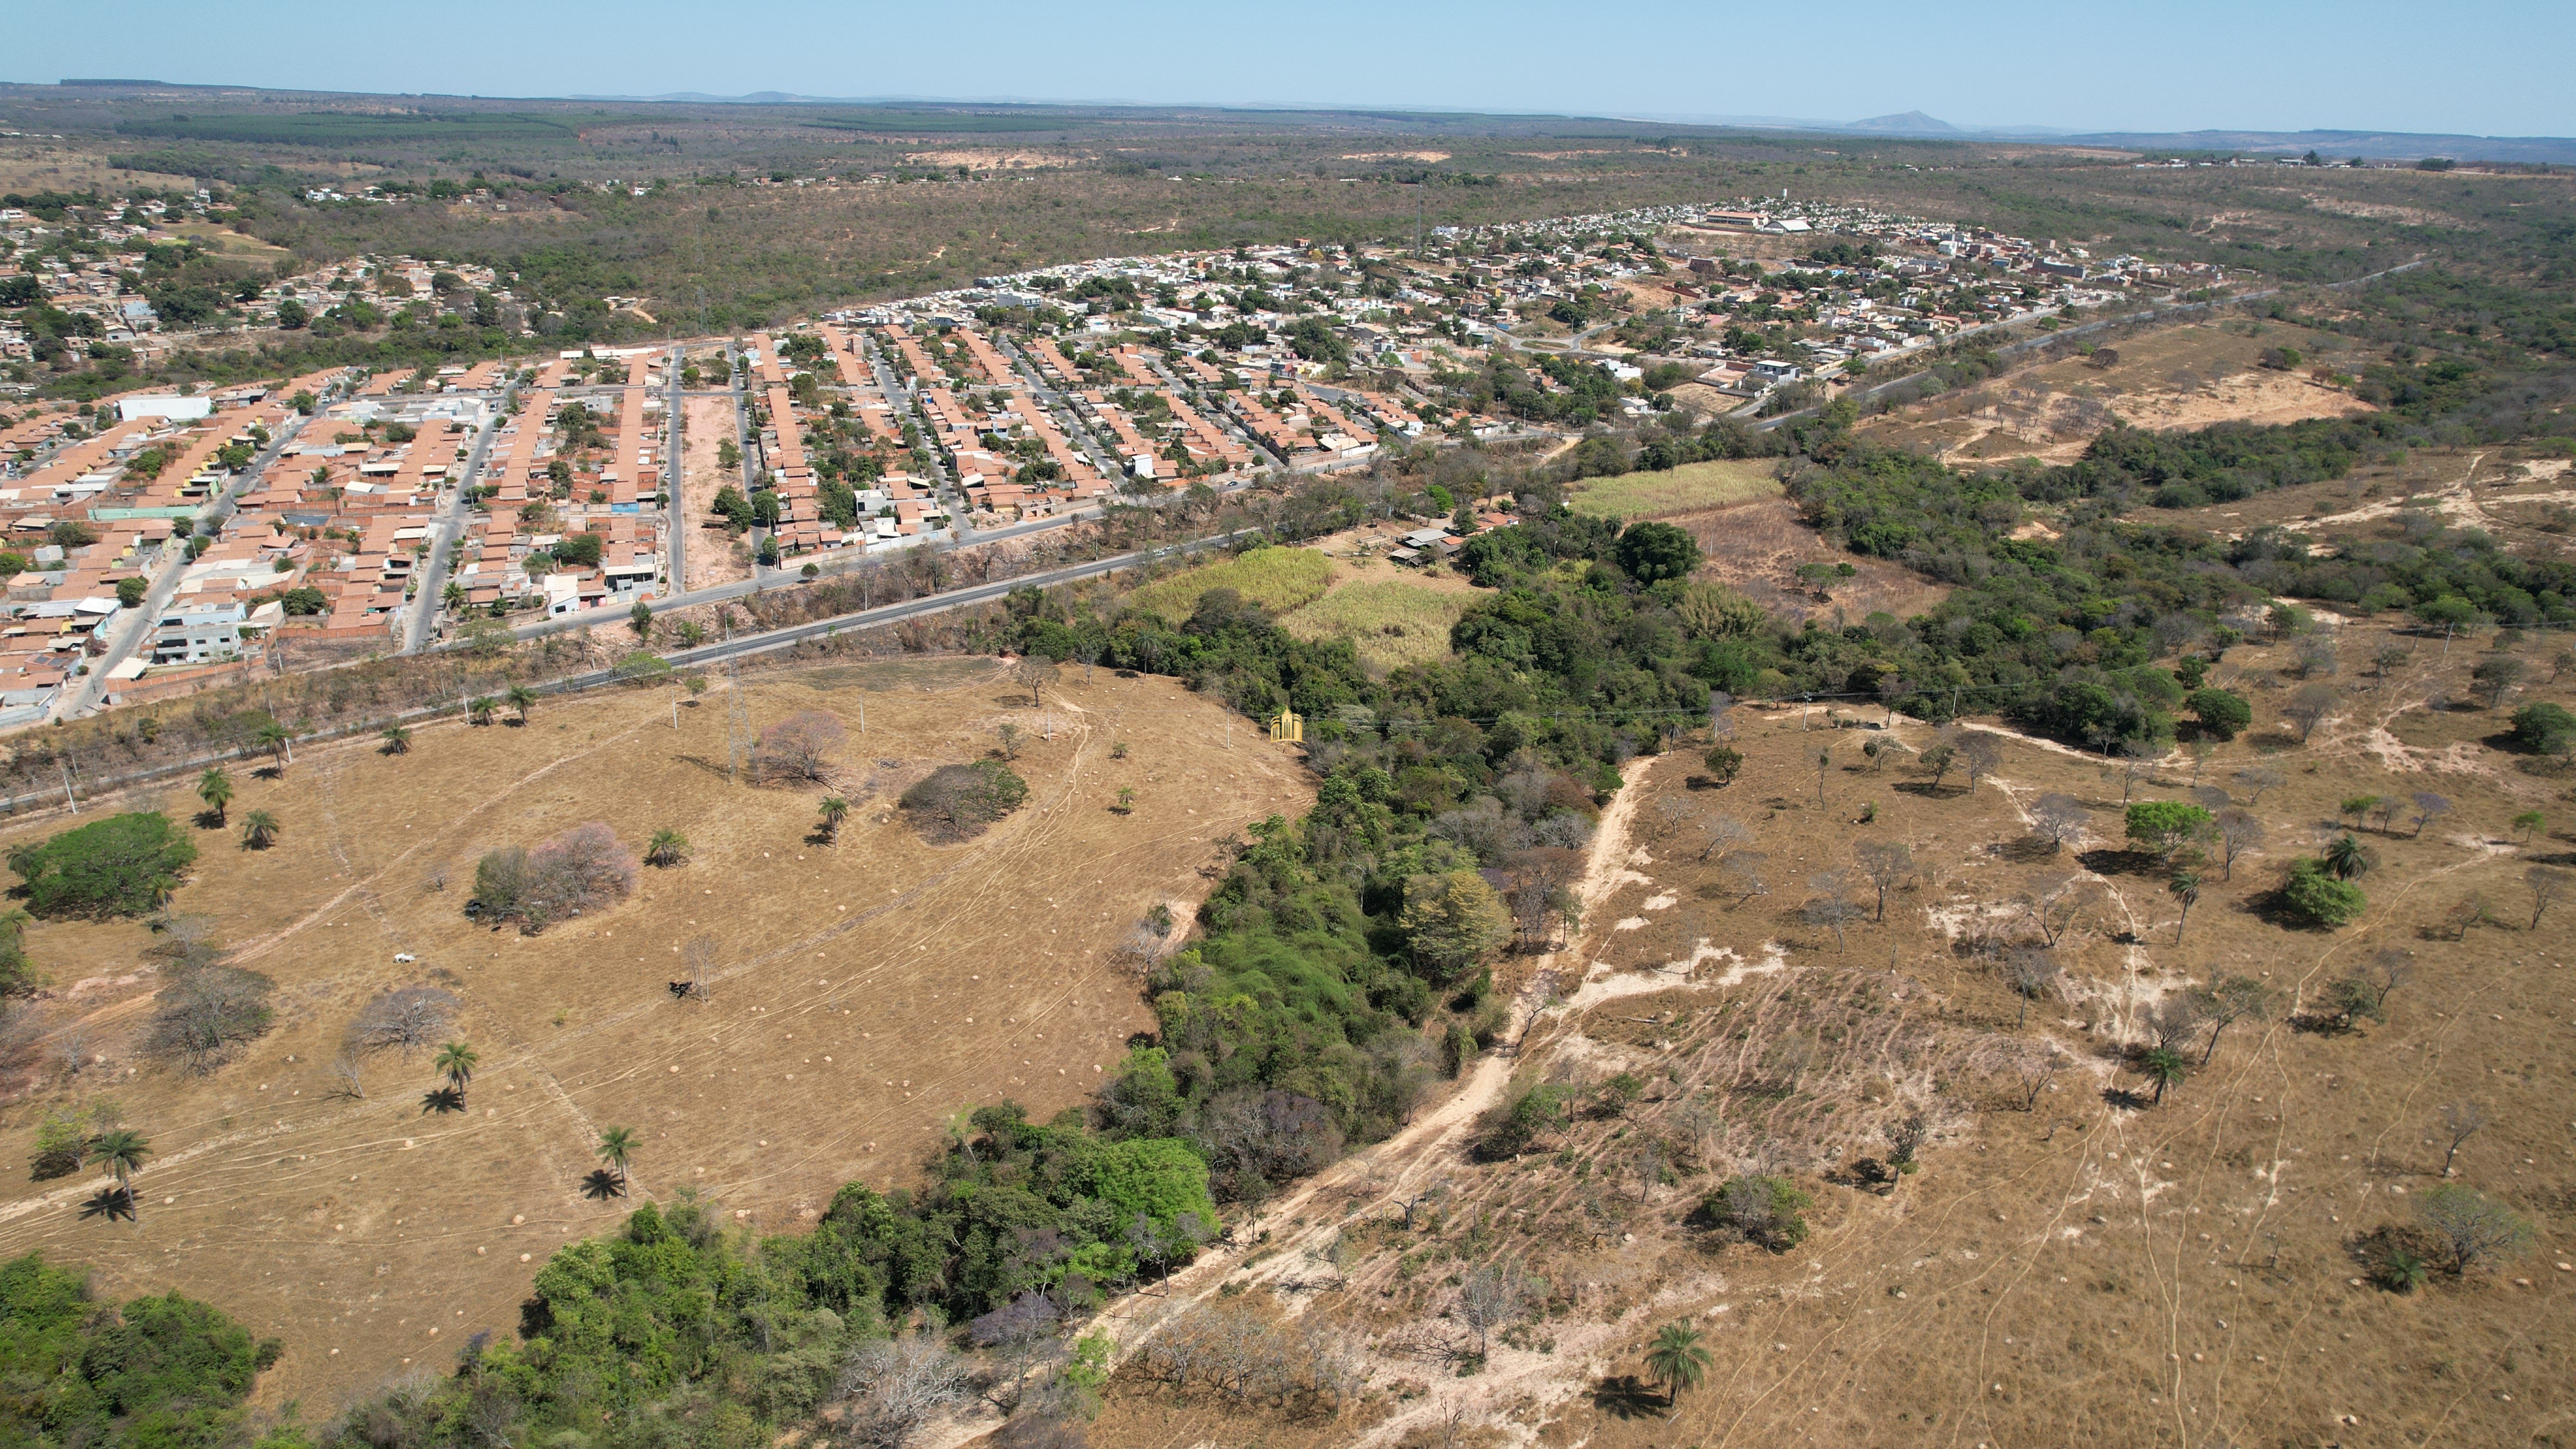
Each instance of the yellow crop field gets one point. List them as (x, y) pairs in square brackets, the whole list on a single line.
[(1392, 622), (1280, 580), (1681, 490)]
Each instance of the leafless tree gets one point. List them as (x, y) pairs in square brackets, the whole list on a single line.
[(2175, 1021), (2056, 908), (2227, 1000), (347, 1080), (203, 1017), (2137, 761), (408, 1017), (1034, 673), (72, 1048), (2034, 1072), (2308, 706), (1726, 835), (1831, 906), (1493, 1296), (698, 957), (2259, 778), (896, 1386), (2429, 807), (2316, 656), (2031, 973), (1541, 880), (1420, 1196), (2058, 818), (2460, 1122), (800, 748), (2238, 832), (1743, 872), (1980, 753), (1884, 862), (2547, 885)]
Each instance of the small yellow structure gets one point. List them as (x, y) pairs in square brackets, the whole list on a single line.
[(1288, 729)]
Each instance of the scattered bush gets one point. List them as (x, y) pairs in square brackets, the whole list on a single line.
[(1763, 1210), (159, 1373), (580, 870), (200, 1019), (2540, 727), (2221, 712), (800, 748), (958, 802)]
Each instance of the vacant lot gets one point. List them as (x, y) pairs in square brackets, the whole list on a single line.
[(1685, 489), (851, 1015), (2072, 1263), (707, 424)]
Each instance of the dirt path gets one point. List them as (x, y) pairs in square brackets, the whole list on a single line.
[(1377, 1179)]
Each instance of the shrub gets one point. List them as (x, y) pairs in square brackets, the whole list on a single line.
[(2165, 826), (580, 870), (957, 802), (2221, 712), (2314, 895), (1508, 1130), (1765, 1210), (201, 1018), (125, 865), (2537, 727), (1653, 552), (800, 747)]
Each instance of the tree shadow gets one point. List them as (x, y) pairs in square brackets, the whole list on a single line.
[(2110, 861), (111, 1204), (1924, 788), (1626, 1398), (2121, 1099), (442, 1101), (269, 772), (2029, 849), (209, 820), (602, 1184), (1705, 782)]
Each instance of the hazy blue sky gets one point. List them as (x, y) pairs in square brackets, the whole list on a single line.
[(2494, 68)]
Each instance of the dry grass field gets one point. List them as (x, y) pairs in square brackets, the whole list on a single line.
[(1757, 548), (706, 423), (863, 993), (2071, 1264), (1688, 488), (1280, 580), (1393, 616), (2176, 379)]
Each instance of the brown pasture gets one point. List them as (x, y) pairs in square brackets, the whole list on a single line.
[(865, 993)]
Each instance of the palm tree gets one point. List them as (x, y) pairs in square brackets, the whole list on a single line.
[(397, 740), (522, 699), (668, 847), (1676, 1360), (215, 787), (455, 1062), (2186, 889), (617, 1148), (835, 810), (121, 1152), (278, 740), (2347, 857), (454, 597), (259, 830), (2167, 1067), (480, 709)]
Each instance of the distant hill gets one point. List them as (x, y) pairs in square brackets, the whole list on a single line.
[(1911, 123)]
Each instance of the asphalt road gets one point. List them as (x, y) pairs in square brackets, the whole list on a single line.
[(420, 614), (885, 614), (83, 696)]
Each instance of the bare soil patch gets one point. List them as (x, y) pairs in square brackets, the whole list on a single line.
[(708, 423)]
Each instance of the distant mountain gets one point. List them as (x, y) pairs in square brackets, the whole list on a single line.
[(1911, 123)]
